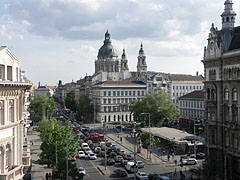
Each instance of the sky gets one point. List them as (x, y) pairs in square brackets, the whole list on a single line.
[(59, 39)]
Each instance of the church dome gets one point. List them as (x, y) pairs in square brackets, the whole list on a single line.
[(107, 50)]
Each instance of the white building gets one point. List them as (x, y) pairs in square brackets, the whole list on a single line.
[(183, 84), (45, 91), (112, 99), (14, 148)]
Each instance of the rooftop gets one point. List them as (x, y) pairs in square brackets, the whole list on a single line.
[(186, 78), (193, 95)]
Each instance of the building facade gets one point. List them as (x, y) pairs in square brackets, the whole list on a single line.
[(112, 99), (222, 77), (14, 147)]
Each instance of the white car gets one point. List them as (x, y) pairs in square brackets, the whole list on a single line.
[(190, 161), (92, 156), (141, 175), (81, 154), (87, 150), (85, 145), (140, 164), (81, 170)]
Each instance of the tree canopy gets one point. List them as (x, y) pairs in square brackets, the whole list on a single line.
[(70, 101), (157, 105), (85, 108)]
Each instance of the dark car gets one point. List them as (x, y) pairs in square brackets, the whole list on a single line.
[(101, 154), (109, 150), (121, 173), (110, 161), (127, 156), (154, 176), (112, 154), (124, 162), (200, 155), (108, 144)]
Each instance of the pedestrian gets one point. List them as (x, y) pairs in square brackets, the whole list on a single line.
[(46, 176), (121, 139), (168, 157)]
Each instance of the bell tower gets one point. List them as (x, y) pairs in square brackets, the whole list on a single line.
[(228, 16), (141, 65)]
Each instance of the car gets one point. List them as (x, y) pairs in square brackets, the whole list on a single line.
[(154, 176), (81, 154), (164, 178), (92, 156), (190, 161), (101, 154), (109, 150), (122, 152), (108, 144), (73, 158), (112, 154), (97, 149), (140, 164), (127, 156), (121, 173), (87, 150), (110, 161), (81, 170), (118, 158), (200, 155), (141, 175), (124, 162), (130, 167), (84, 145), (114, 147)]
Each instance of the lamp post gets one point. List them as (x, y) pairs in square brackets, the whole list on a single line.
[(149, 133), (134, 133)]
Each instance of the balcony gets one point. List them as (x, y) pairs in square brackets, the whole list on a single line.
[(15, 172), (26, 155)]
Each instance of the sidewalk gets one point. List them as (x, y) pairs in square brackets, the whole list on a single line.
[(38, 172)]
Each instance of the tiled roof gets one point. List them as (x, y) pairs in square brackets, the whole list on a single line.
[(193, 95), (186, 78), (125, 82)]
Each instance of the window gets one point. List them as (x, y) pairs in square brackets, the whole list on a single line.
[(17, 74), (134, 93), (126, 93), (142, 93), (234, 114), (9, 73), (104, 93), (1, 156), (7, 157), (2, 72), (226, 113), (11, 111), (109, 108), (114, 93), (122, 93), (109, 101), (130, 93), (234, 94), (226, 94), (118, 93), (104, 101), (139, 93), (109, 93), (105, 109), (186, 87), (114, 101), (173, 87), (1, 112)]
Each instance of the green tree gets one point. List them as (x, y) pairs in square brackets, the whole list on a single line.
[(85, 108), (70, 101), (43, 107), (144, 137), (158, 105)]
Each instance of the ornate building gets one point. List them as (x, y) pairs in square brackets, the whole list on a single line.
[(222, 77), (14, 147)]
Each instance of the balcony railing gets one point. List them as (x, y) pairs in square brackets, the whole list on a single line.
[(15, 172)]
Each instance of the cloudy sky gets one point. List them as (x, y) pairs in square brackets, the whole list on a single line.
[(59, 39)]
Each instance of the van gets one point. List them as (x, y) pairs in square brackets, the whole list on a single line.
[(130, 167)]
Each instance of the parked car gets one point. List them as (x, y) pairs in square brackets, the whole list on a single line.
[(200, 155), (127, 156), (118, 158), (190, 161), (154, 176), (141, 175), (124, 162), (81, 170), (110, 161), (121, 173), (140, 164), (92, 156), (81, 154)]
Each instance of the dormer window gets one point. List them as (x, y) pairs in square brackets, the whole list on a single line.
[(9, 73)]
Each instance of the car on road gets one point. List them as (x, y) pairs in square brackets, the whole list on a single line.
[(164, 178), (130, 167), (121, 173), (127, 156), (122, 152), (92, 156), (140, 164), (81, 170), (141, 175), (154, 176), (84, 145), (112, 154), (101, 154), (81, 154), (118, 158), (190, 161), (114, 147), (87, 150), (200, 155), (108, 144), (124, 162), (97, 149), (110, 161)]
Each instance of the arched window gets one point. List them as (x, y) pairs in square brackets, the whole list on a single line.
[(1, 112), (7, 157), (213, 94), (126, 118), (227, 19), (226, 113), (208, 94), (234, 114), (105, 118), (11, 111), (122, 118), (234, 94), (114, 117), (109, 118), (226, 94)]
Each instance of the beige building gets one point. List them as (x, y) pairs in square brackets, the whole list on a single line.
[(14, 148), (222, 77)]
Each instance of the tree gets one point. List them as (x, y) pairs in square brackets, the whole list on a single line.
[(144, 137), (70, 101), (54, 143), (158, 105), (85, 108), (43, 107)]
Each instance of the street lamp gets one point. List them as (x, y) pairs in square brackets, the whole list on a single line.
[(134, 133), (149, 133)]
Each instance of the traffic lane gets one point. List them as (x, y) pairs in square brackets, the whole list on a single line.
[(92, 172)]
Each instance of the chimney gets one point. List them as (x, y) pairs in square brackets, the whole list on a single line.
[(197, 73)]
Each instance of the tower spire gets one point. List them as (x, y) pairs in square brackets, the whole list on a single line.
[(228, 16)]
